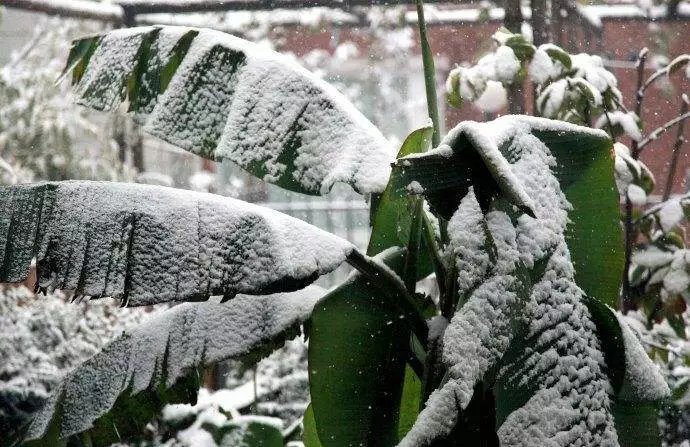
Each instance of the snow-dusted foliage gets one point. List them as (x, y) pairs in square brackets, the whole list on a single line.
[(41, 339), (671, 351), (531, 252), (282, 395), (574, 88), (522, 326), (149, 244), (225, 98), (212, 421), (168, 349), (39, 124), (660, 262)]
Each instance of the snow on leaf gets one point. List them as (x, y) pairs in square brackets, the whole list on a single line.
[(155, 356), (637, 195), (621, 122), (148, 244), (670, 214), (494, 98), (652, 257), (506, 65), (541, 67), (643, 381), (523, 328), (221, 97)]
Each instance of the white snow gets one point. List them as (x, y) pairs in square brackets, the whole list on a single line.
[(627, 121), (506, 65), (551, 98), (43, 337), (670, 214), (149, 244), (541, 67), (643, 381), (232, 99), (637, 195), (494, 99), (188, 336), (652, 257), (561, 355)]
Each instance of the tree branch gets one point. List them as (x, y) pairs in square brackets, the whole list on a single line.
[(71, 8), (658, 131), (676, 148), (629, 227)]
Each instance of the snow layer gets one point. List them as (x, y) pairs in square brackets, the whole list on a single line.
[(232, 99), (643, 381), (519, 293), (149, 244), (170, 346)]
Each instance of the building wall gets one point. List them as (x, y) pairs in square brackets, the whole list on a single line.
[(622, 39)]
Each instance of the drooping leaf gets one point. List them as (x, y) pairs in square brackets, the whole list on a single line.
[(116, 392), (558, 54), (635, 380), (149, 244), (523, 48), (222, 97), (522, 329), (480, 155), (357, 354)]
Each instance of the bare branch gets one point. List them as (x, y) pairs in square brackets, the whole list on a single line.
[(628, 225), (657, 132), (676, 147), (71, 8)]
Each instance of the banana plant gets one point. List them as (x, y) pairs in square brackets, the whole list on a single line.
[(515, 221)]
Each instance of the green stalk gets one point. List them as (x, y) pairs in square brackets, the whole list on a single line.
[(412, 254), (389, 283), (429, 75)]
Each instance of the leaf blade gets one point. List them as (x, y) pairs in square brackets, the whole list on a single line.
[(207, 89), (155, 356), (146, 244)]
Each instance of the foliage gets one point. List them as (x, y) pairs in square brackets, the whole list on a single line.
[(38, 123), (579, 89), (524, 257), (40, 339)]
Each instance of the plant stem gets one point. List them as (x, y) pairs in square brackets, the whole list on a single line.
[(658, 131), (629, 228), (439, 265), (412, 255), (676, 149), (389, 283), (429, 75)]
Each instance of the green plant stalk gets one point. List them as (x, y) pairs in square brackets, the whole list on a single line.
[(429, 75), (389, 283), (439, 266), (413, 245)]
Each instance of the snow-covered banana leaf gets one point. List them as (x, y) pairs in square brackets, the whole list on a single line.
[(149, 244), (225, 98), (530, 339), (112, 396)]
